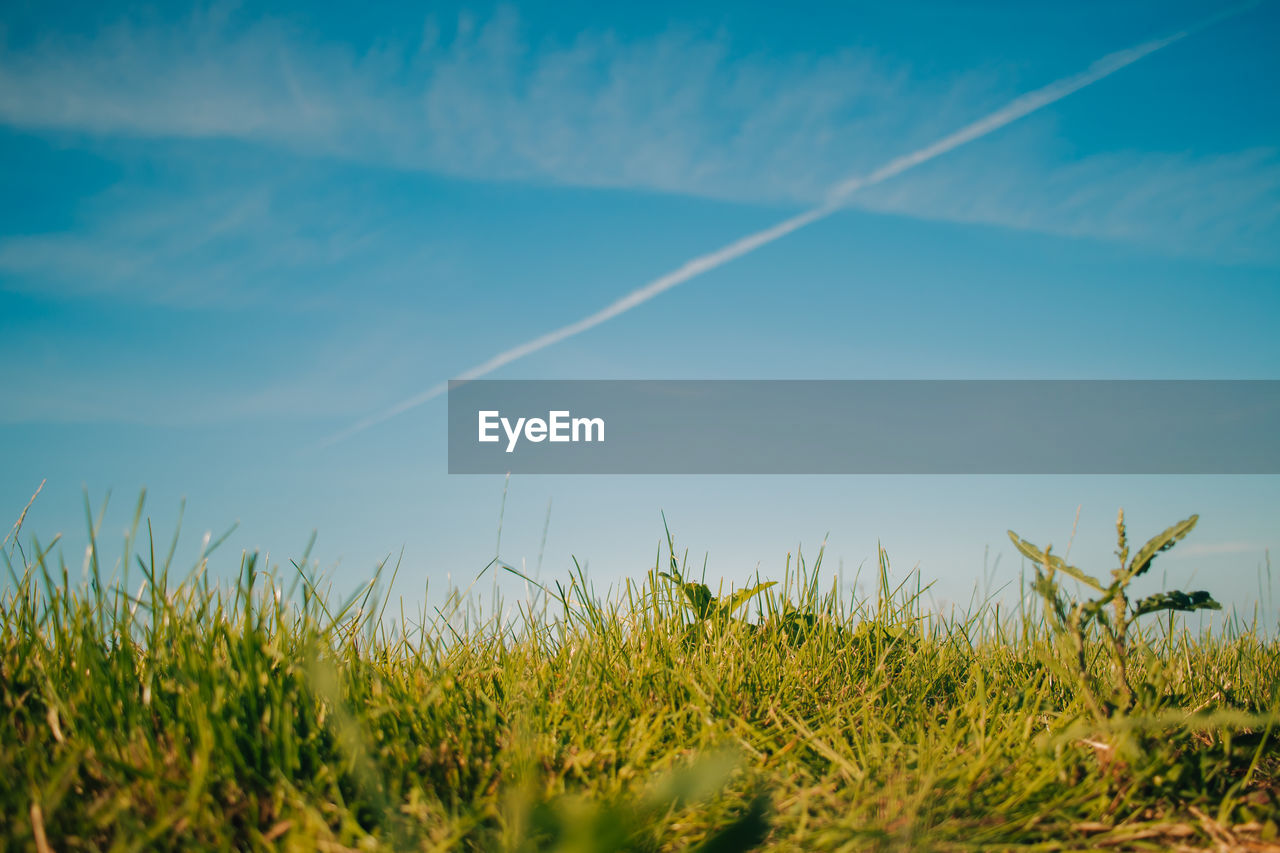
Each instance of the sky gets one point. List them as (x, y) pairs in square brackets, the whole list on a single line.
[(231, 232)]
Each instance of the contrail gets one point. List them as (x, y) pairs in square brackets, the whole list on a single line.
[(836, 197)]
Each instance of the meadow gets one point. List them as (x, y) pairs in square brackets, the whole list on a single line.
[(145, 706)]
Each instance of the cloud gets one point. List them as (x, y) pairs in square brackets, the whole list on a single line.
[(237, 238), (1223, 207), (837, 196), (673, 113), (134, 247)]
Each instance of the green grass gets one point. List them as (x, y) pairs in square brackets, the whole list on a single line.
[(164, 712)]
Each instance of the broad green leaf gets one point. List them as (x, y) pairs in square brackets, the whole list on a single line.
[(1031, 552), (742, 596), (1163, 542), (700, 598), (1048, 590), (1184, 601)]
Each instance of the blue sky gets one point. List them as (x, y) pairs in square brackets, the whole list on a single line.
[(230, 231)]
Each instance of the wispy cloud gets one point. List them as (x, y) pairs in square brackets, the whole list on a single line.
[(670, 113), (135, 248), (1220, 207), (673, 113), (238, 238), (837, 196)]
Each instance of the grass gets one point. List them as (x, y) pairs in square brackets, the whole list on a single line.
[(158, 712)]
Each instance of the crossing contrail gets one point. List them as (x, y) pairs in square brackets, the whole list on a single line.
[(836, 197)]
